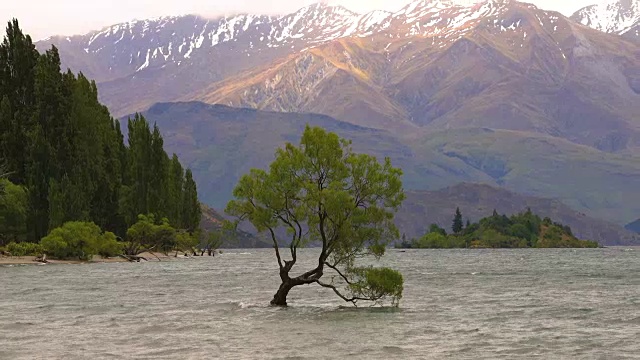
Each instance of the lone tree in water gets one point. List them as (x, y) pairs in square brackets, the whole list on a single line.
[(321, 192)]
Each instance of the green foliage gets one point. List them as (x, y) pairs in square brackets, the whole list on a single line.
[(492, 238), (377, 283), (109, 246), (321, 192), (79, 240), (499, 231), (148, 234), (435, 228), (215, 239), (24, 249), (63, 146), (191, 211), (14, 202), (186, 241), (457, 225), (432, 240)]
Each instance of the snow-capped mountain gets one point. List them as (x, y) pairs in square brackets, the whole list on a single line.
[(620, 17), (169, 57), (139, 63), (131, 47)]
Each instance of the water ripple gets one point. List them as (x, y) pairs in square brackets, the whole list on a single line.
[(458, 304)]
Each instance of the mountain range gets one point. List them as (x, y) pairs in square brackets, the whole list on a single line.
[(500, 92), (429, 63)]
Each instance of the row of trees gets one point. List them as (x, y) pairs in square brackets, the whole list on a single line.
[(66, 156), (522, 230), (82, 240)]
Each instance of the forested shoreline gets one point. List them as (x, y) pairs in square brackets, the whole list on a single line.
[(64, 158), (522, 230)]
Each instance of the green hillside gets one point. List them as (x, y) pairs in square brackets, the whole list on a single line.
[(220, 143), (600, 184)]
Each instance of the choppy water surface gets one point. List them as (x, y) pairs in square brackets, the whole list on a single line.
[(457, 304)]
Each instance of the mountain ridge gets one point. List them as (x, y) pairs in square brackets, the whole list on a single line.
[(509, 70), (634, 226), (620, 17), (170, 57)]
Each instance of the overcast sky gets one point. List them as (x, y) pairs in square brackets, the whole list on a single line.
[(43, 18)]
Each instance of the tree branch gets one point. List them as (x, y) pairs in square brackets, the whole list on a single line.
[(275, 246), (335, 290), (344, 277)]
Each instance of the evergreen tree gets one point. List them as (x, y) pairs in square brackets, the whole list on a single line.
[(139, 161), (38, 184), (62, 145), (191, 211), (457, 225), (158, 180), (18, 59), (176, 181)]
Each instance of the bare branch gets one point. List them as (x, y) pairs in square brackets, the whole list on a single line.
[(335, 290), (344, 277), (275, 246)]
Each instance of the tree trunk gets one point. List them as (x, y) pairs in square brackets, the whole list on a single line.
[(280, 298)]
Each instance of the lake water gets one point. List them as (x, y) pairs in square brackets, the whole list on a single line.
[(457, 304)]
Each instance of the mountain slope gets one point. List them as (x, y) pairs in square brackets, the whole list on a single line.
[(415, 66), (598, 183), (620, 17), (422, 208), (500, 64), (221, 143), (212, 221), (634, 226), (142, 62)]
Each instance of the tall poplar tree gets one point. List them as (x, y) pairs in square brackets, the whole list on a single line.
[(191, 211), (457, 225), (67, 151)]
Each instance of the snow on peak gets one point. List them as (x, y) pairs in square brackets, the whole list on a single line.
[(612, 16), (145, 44)]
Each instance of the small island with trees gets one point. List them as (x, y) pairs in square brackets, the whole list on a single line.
[(523, 230)]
